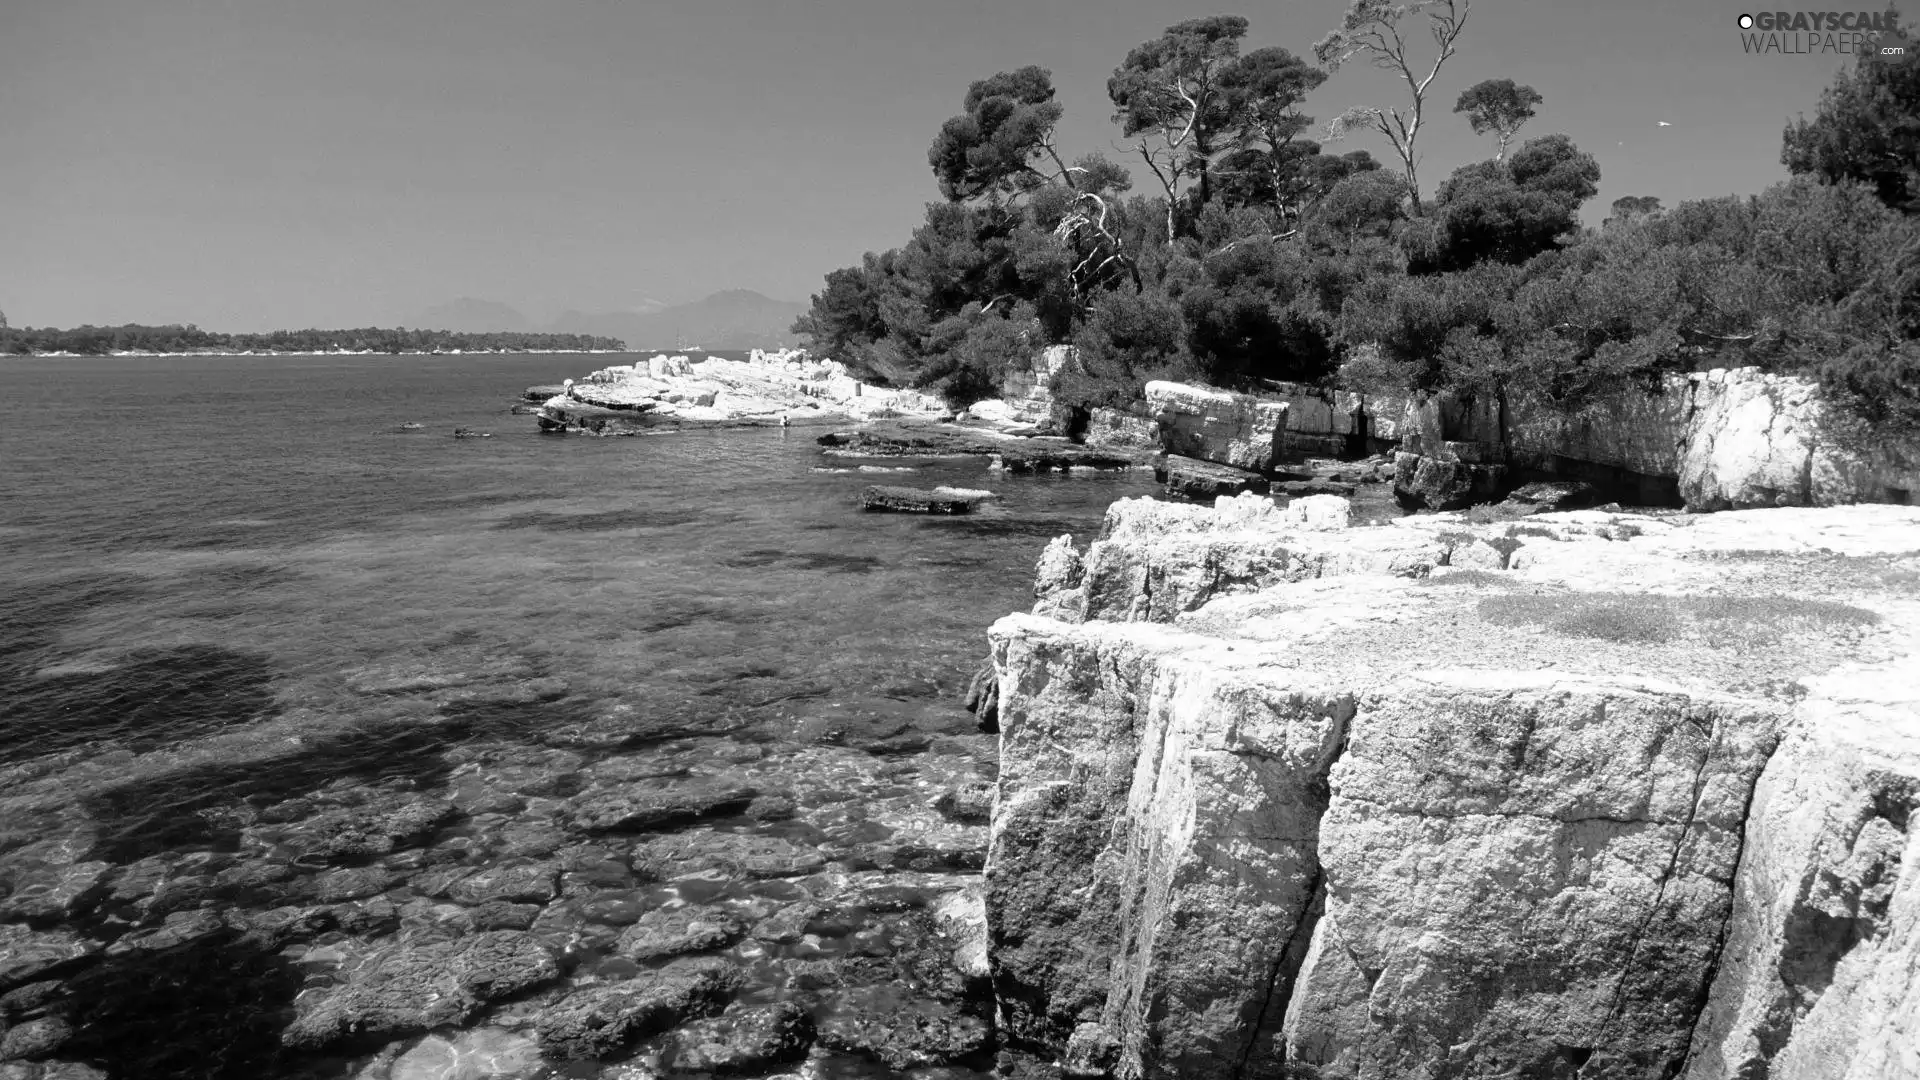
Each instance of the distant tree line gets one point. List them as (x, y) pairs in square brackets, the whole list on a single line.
[(1265, 255), (101, 340)]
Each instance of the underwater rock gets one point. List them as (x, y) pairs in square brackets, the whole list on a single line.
[(602, 1020), (666, 932), (742, 1041), (407, 989)]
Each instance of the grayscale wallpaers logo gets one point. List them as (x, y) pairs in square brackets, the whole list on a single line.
[(1875, 34)]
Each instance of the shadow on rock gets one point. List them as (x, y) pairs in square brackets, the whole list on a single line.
[(155, 697), (209, 1010), (199, 807)]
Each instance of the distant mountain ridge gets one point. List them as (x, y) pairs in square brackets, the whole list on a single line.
[(732, 319)]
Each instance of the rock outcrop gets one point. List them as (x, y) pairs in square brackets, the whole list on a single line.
[(1217, 425), (1192, 478), (1714, 440), (1112, 429), (880, 498), (677, 391), (1272, 805), (1028, 389)]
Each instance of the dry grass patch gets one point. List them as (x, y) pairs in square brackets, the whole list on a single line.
[(1609, 616), (1469, 577), (1740, 621)]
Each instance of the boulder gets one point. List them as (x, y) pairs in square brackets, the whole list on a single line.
[(1216, 425), (1450, 482), (1550, 496)]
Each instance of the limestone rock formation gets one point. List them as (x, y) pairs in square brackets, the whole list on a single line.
[(1111, 429), (1191, 478), (767, 388), (1270, 806), (1216, 425), (1715, 440), (1028, 389), (1821, 976)]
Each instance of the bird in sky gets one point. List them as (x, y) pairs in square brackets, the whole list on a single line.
[(1663, 123)]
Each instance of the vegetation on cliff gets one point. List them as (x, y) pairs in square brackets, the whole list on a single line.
[(1267, 255), (100, 340)]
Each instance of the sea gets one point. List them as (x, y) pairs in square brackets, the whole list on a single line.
[(265, 651)]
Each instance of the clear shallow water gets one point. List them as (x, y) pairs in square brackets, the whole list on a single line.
[(243, 615)]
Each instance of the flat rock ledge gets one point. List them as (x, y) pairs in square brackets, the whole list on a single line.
[(1587, 795), (1191, 478), (878, 498)]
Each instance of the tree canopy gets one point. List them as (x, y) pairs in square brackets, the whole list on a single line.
[(1262, 256), (1867, 129), (1500, 106), (988, 150)]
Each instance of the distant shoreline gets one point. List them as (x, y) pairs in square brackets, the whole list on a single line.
[(325, 352)]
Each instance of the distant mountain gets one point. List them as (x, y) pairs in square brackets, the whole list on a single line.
[(735, 319), (472, 316)]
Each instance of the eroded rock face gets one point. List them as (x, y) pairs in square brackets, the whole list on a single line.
[(1729, 439), (1216, 425), (1156, 560), (1240, 831), (1028, 389), (1821, 971), (1111, 429)]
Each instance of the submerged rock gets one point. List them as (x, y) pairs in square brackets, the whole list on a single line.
[(601, 1021), (742, 1041), (27, 955), (406, 989), (487, 1053), (649, 808), (665, 932), (901, 1034)]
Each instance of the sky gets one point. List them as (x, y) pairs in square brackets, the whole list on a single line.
[(255, 164)]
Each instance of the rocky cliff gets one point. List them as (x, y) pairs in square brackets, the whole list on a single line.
[(1280, 798), (1713, 440)]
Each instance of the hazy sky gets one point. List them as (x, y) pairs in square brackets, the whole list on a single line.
[(250, 164)]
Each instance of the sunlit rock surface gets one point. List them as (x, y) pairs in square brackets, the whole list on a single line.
[(1216, 425), (766, 388), (1277, 801)]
